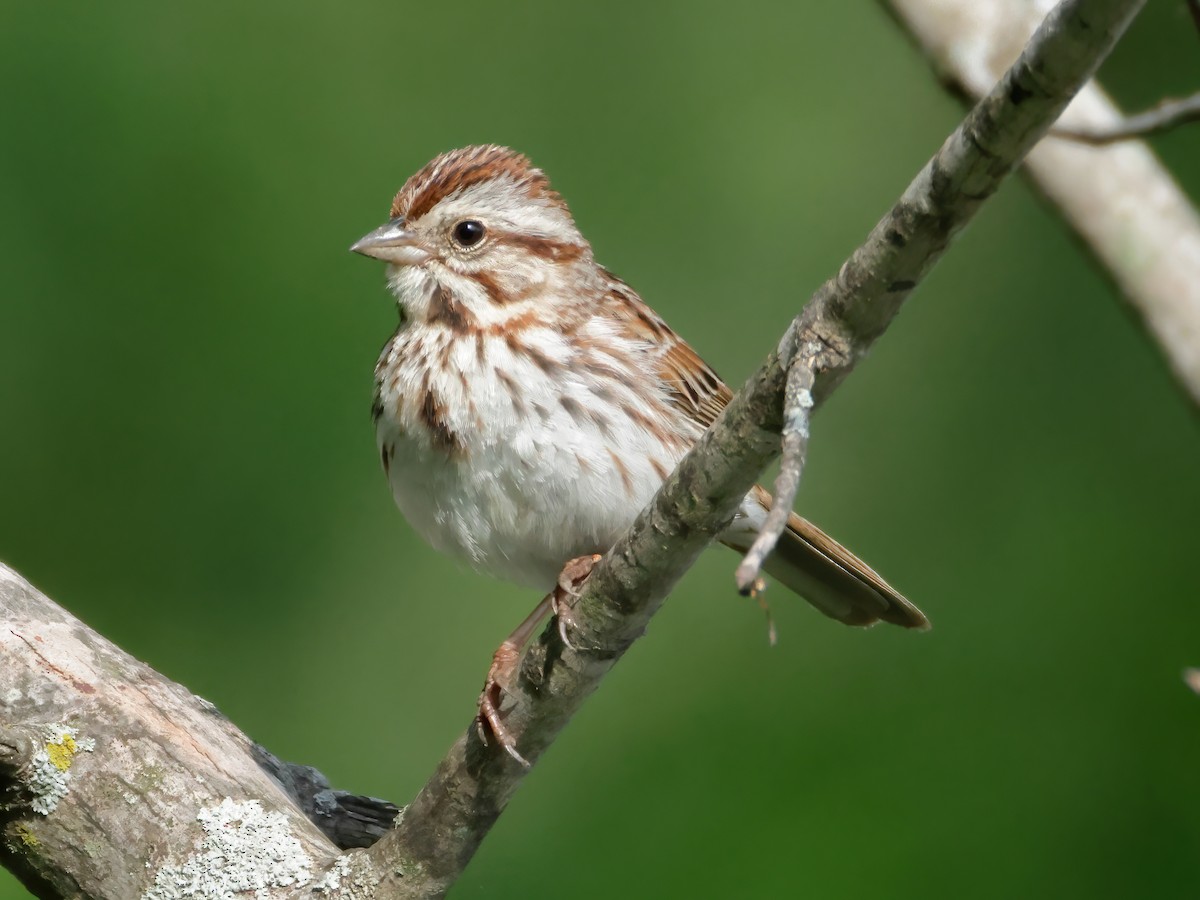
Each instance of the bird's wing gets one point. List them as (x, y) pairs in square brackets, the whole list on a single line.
[(692, 386), (806, 559)]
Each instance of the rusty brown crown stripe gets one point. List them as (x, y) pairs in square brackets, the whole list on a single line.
[(458, 170)]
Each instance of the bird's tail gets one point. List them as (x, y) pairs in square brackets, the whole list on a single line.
[(834, 580)]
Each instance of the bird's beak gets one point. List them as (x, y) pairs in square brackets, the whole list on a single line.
[(392, 244)]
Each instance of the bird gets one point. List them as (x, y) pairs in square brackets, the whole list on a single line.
[(530, 403)]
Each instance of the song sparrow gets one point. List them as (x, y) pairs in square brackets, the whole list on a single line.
[(530, 404)]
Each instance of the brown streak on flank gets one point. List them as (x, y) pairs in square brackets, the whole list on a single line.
[(512, 341), (607, 352), (603, 371), (585, 467), (535, 356), (433, 414), (480, 348), (574, 409), (659, 469), (639, 418), (542, 361), (603, 425), (652, 426), (626, 480), (458, 170), (602, 392), (514, 391)]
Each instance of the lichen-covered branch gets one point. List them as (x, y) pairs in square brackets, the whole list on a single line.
[(111, 775), (445, 823), (1119, 199), (115, 782)]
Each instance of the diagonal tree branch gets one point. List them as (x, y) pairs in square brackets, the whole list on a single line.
[(1122, 203), (453, 812), (164, 794), (106, 767)]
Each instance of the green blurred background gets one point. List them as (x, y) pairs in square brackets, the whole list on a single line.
[(187, 460)]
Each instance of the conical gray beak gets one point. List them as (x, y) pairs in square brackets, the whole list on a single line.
[(392, 244)]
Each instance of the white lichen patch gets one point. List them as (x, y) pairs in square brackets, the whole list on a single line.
[(332, 880), (245, 851), (49, 773)]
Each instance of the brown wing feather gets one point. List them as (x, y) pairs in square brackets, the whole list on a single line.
[(871, 599), (806, 560), (692, 386), (695, 388), (831, 578)]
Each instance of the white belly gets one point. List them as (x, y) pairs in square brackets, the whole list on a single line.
[(541, 469)]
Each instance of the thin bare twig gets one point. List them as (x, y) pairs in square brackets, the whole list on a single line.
[(1126, 209), (797, 412), (1166, 115)]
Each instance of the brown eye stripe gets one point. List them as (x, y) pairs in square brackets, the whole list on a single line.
[(545, 247)]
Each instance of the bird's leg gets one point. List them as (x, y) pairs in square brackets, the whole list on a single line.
[(504, 667), (508, 654), (570, 581)]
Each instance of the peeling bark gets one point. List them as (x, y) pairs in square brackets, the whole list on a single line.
[(116, 782)]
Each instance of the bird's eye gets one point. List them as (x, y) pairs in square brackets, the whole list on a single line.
[(468, 233)]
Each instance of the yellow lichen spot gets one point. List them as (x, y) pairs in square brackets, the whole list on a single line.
[(26, 837), (62, 752)]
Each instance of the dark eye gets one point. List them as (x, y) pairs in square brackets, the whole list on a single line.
[(469, 232)]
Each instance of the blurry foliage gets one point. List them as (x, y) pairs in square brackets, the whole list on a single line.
[(187, 461)]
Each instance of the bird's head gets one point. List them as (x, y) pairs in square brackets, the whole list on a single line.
[(481, 223)]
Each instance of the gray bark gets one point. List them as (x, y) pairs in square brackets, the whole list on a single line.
[(116, 782), (1119, 199)]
